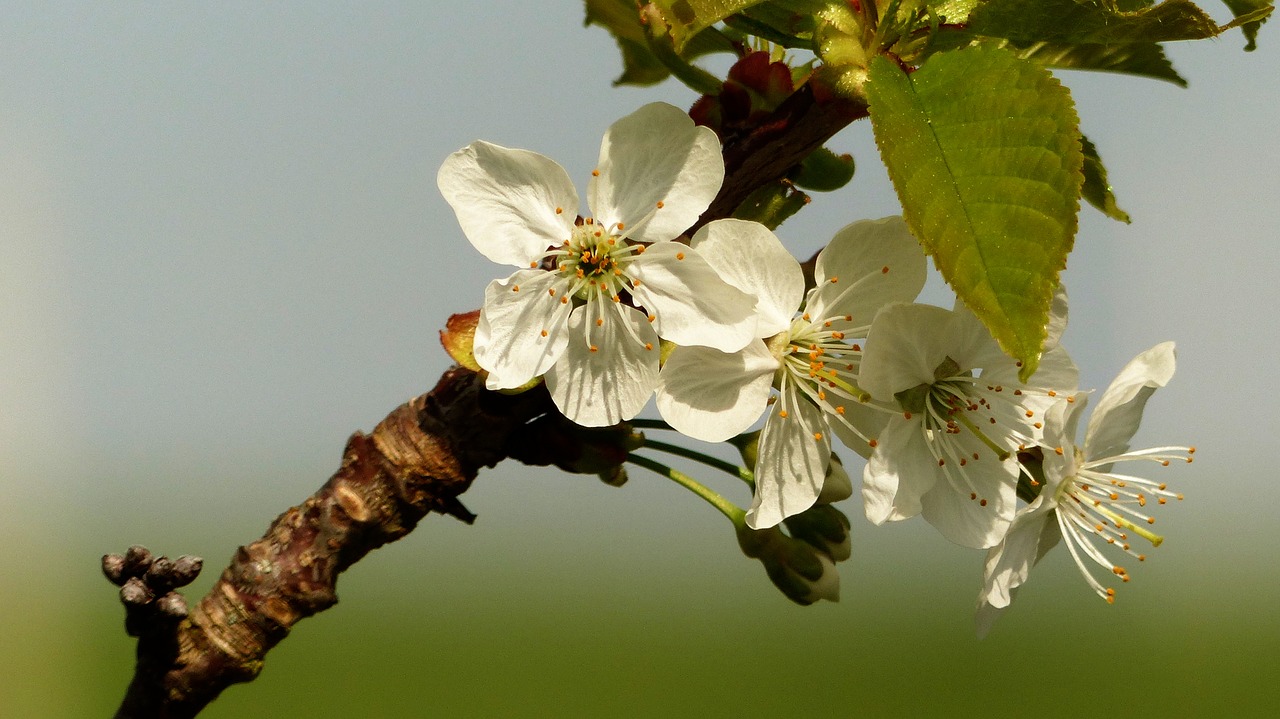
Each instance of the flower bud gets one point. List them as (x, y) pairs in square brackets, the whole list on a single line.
[(804, 574), (458, 336), (836, 487), (824, 528)]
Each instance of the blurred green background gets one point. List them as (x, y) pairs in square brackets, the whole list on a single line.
[(222, 251)]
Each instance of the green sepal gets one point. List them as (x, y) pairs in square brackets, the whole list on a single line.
[(823, 171), (1096, 189), (772, 204), (983, 149)]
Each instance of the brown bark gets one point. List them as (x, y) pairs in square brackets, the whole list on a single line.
[(418, 460)]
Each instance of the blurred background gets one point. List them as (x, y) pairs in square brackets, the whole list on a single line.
[(222, 251)]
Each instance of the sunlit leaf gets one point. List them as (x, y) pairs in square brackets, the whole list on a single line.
[(983, 149), (688, 17)]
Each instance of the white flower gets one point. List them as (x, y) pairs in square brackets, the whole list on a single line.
[(565, 313), (712, 395), (950, 450), (1082, 499)]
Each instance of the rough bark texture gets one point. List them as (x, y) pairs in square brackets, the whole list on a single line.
[(418, 460)]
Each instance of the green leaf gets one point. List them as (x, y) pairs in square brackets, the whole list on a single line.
[(1076, 22), (688, 17), (983, 149), (641, 65), (788, 23), (1096, 189), (1246, 8), (622, 20), (1142, 59), (953, 11)]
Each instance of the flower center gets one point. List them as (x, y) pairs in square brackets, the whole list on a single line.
[(594, 260), (1097, 507), (815, 353), (957, 404)]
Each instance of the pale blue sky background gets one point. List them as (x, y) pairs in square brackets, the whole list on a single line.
[(222, 251)]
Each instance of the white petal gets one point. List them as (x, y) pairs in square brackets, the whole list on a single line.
[(899, 473), (1057, 371), (655, 155), (1009, 562), (868, 422), (712, 395), (509, 340), (1068, 417), (904, 346), (956, 508), (857, 259), (1049, 536), (1119, 412), (692, 305), (750, 257), (1057, 318), (971, 345), (612, 384), (506, 201), (791, 463)]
